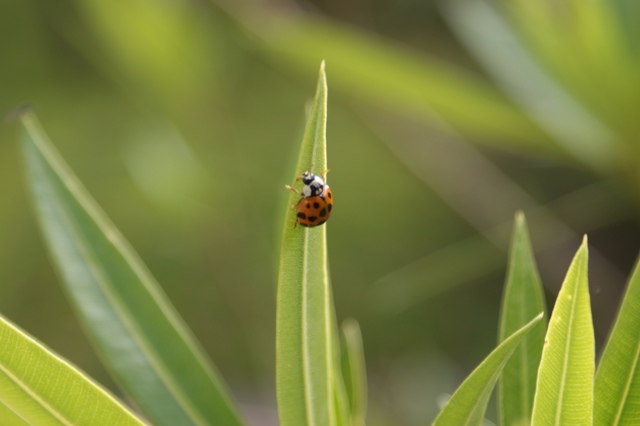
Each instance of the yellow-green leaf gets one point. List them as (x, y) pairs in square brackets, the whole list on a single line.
[(617, 387), (564, 393), (37, 387), (468, 404)]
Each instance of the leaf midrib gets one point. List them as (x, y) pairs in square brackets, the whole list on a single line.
[(524, 376), (568, 342), (34, 395), (306, 362), (627, 386)]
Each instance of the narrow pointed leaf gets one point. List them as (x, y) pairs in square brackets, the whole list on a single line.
[(523, 297), (564, 393), (341, 398), (150, 351), (305, 333), (494, 44), (354, 371), (584, 46), (617, 387), (469, 402), (388, 75), (37, 387)]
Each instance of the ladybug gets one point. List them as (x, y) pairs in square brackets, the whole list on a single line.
[(314, 208)]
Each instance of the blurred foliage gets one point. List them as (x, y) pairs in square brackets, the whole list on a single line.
[(182, 118)]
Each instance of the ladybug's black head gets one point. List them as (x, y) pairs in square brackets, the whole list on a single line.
[(307, 178)]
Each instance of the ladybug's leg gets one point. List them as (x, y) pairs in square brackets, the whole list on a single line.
[(293, 189), (324, 174), (295, 222), (297, 192)]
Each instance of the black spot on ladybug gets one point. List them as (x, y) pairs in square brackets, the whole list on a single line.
[(323, 212), (301, 215), (329, 194), (308, 205), (316, 206), (312, 218), (329, 206)]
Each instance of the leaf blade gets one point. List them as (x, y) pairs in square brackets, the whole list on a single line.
[(564, 393), (304, 324), (523, 297), (149, 350), (41, 388), (571, 125), (383, 73), (354, 371), (468, 403), (617, 385)]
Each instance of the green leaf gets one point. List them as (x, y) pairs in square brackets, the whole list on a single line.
[(390, 75), (341, 398), (617, 387), (469, 402), (37, 387), (583, 45), (354, 371), (305, 329), (146, 345), (495, 46), (523, 297), (170, 49), (564, 393), (10, 418)]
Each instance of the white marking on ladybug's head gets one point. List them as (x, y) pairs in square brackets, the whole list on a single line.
[(313, 185)]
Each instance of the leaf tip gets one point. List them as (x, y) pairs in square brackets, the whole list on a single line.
[(350, 325), (519, 221), (519, 216), (323, 74), (584, 246)]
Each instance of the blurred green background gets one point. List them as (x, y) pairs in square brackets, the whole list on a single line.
[(183, 119)]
